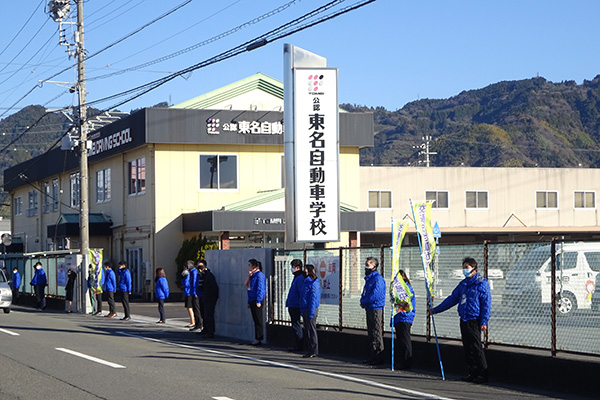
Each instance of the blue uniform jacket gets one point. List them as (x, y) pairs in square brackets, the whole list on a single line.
[(124, 280), (161, 289), (295, 293), (16, 281), (186, 284), (407, 316), (473, 298), (311, 296), (258, 287), (193, 281), (39, 278), (110, 280), (373, 294)]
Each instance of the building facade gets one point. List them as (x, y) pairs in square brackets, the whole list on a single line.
[(212, 165)]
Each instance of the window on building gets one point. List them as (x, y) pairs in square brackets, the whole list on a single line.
[(476, 199), (55, 194), (33, 203), (47, 207), (18, 206), (218, 171), (380, 199), (440, 199), (584, 199), (75, 190), (546, 199), (137, 176), (103, 185)]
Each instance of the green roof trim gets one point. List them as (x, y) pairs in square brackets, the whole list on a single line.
[(267, 196), (235, 89)]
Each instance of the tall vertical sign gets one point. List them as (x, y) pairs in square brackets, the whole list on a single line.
[(316, 154), (311, 146)]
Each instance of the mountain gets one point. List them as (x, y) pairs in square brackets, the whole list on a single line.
[(525, 123)]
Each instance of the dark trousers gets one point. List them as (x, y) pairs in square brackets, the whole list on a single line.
[(15, 293), (470, 332), (310, 324), (161, 309), (197, 312), (111, 302), (258, 318), (295, 316), (403, 348), (375, 331), (40, 296), (209, 316), (125, 302), (98, 299)]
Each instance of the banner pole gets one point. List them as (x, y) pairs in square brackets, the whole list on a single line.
[(429, 300), (392, 303)]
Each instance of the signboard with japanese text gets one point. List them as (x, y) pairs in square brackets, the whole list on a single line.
[(328, 272), (316, 154)]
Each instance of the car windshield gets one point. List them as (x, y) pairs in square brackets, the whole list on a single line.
[(2, 276), (533, 260)]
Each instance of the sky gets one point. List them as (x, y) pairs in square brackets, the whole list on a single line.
[(388, 53)]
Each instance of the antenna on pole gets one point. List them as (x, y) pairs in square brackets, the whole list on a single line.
[(425, 150)]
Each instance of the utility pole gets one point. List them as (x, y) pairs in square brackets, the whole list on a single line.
[(59, 10)]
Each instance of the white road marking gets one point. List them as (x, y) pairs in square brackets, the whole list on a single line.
[(311, 371), (222, 398), (94, 359), (9, 332)]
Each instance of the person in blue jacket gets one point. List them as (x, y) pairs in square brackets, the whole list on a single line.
[(161, 292), (402, 324), (186, 284), (474, 303), (257, 289), (309, 307), (194, 278), (110, 287), (373, 301), (39, 282), (293, 304), (125, 288), (16, 284)]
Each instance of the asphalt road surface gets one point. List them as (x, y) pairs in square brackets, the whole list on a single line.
[(53, 355)]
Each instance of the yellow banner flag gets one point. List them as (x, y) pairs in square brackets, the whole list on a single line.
[(422, 215), (399, 292), (95, 256)]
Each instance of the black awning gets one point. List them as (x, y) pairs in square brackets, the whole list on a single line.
[(265, 221), (68, 226)]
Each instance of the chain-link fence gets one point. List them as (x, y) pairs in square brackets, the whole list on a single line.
[(521, 278), (53, 265)]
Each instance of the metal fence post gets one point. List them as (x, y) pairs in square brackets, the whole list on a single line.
[(485, 275), (340, 269), (553, 296)]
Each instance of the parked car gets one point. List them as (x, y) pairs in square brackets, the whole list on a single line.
[(577, 265), (5, 293)]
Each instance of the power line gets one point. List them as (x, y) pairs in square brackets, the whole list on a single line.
[(24, 47), (197, 45), (23, 27)]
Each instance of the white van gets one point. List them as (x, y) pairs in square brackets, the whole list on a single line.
[(577, 264)]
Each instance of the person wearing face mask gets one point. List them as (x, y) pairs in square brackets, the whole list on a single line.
[(257, 289), (474, 301), (39, 282), (293, 304), (373, 301), (125, 288), (16, 284), (309, 307)]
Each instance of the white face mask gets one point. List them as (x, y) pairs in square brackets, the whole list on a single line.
[(467, 272), (38, 267)]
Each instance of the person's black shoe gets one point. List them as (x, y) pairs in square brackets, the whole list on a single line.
[(309, 355), (194, 328), (480, 379), (367, 361), (256, 343), (125, 319), (468, 378)]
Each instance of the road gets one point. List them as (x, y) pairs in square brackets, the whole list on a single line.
[(65, 356)]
